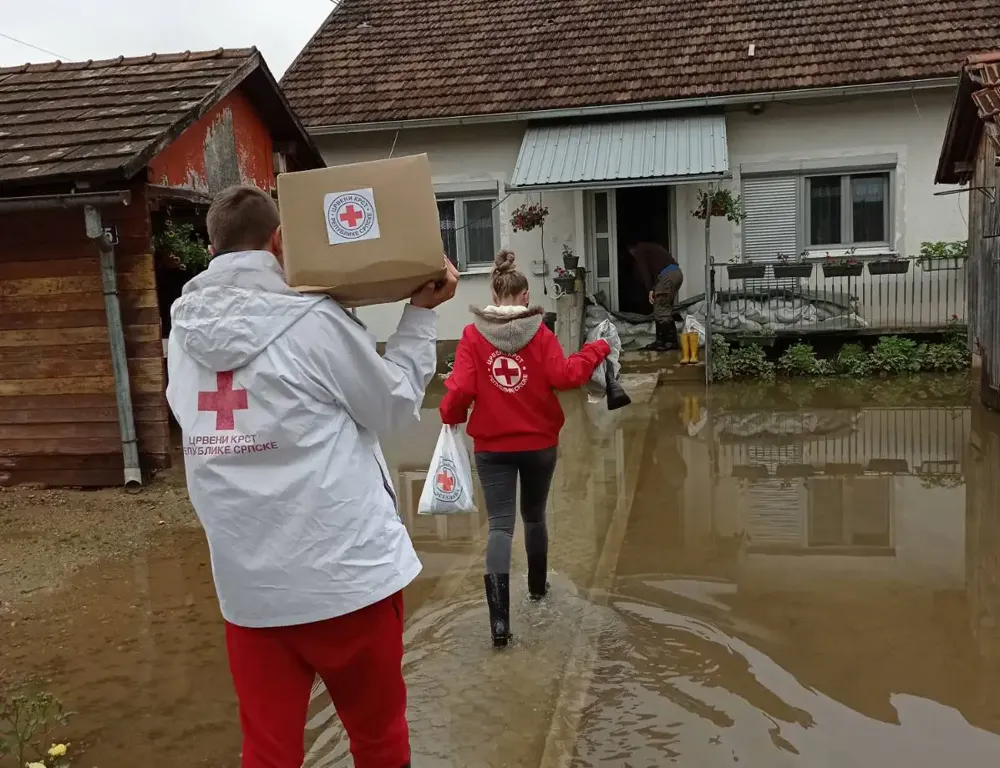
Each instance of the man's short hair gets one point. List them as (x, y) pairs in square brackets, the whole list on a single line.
[(241, 218)]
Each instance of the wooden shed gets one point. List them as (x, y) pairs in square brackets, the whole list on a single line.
[(971, 155), (90, 154)]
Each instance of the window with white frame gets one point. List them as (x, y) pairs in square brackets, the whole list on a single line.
[(847, 210), (816, 210), (470, 230)]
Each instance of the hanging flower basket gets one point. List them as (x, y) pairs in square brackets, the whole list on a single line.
[(745, 271), (793, 270), (721, 203), (888, 267), (528, 217)]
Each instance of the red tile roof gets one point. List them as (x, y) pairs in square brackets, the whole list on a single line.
[(388, 60), (75, 120), (977, 107)]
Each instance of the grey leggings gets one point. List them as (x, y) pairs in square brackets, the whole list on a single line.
[(498, 473)]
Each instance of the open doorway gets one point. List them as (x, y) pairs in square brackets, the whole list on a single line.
[(642, 215)]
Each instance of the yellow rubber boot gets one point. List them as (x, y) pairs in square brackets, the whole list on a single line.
[(685, 342), (693, 346)]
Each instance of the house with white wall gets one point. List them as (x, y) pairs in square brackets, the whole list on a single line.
[(614, 115)]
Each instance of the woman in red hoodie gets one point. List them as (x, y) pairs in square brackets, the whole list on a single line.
[(510, 365)]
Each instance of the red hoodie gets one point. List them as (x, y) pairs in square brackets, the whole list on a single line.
[(511, 366)]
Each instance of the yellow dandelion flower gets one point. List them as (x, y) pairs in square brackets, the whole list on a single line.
[(57, 750)]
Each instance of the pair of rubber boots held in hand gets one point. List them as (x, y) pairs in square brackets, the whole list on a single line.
[(498, 596)]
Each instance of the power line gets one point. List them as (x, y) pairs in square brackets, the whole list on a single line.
[(29, 45)]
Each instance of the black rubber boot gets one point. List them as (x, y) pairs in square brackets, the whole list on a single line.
[(659, 345), (538, 571), (669, 335), (498, 600)]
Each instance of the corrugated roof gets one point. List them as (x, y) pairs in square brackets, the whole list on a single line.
[(624, 152), (95, 117), (393, 60)]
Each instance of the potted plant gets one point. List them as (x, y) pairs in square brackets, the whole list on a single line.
[(745, 270), (845, 266), (570, 260), (178, 246), (720, 203), (788, 268), (528, 217), (564, 279), (894, 265), (943, 255)]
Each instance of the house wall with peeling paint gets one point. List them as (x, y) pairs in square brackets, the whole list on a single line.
[(230, 145)]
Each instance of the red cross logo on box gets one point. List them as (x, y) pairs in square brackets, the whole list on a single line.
[(507, 373), (351, 216), (225, 401)]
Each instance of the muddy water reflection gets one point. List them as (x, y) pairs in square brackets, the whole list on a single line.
[(778, 577), (805, 585)]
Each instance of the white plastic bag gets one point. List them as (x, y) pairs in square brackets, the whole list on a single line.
[(691, 325), (448, 487), (597, 386)]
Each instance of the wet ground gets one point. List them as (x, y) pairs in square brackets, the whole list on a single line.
[(778, 576)]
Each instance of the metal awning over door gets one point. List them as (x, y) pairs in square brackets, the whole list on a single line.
[(672, 150)]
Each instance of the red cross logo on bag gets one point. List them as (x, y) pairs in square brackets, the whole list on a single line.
[(446, 485)]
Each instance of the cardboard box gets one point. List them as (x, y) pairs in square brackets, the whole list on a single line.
[(367, 233)]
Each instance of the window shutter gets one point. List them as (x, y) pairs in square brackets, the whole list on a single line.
[(770, 228)]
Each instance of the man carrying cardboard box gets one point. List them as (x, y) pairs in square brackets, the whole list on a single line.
[(280, 397)]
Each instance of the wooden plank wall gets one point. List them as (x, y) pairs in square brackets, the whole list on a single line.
[(58, 413)]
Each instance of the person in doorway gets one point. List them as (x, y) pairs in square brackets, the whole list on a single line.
[(663, 279), (281, 397), (510, 365)]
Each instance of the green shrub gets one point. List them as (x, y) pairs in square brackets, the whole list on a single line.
[(897, 355), (800, 360), (852, 360), (946, 357), (731, 363)]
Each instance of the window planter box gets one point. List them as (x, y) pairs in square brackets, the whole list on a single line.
[(793, 270), (888, 267), (566, 284), (842, 270), (789, 471), (750, 472), (745, 271), (938, 265), (889, 466)]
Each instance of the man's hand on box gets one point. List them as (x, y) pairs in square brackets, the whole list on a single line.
[(434, 294)]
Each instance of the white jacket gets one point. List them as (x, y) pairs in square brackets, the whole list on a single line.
[(280, 396)]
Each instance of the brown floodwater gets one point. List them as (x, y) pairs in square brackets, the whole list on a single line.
[(783, 575)]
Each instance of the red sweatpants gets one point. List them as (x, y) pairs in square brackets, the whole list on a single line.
[(359, 656)]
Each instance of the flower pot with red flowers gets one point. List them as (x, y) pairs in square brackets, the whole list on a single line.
[(720, 203), (528, 217), (565, 279), (786, 267), (847, 266)]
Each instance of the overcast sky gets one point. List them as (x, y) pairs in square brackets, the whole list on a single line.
[(78, 30)]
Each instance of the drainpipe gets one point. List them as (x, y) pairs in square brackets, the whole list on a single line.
[(119, 358)]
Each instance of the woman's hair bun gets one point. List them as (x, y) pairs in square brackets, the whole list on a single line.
[(504, 262)]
